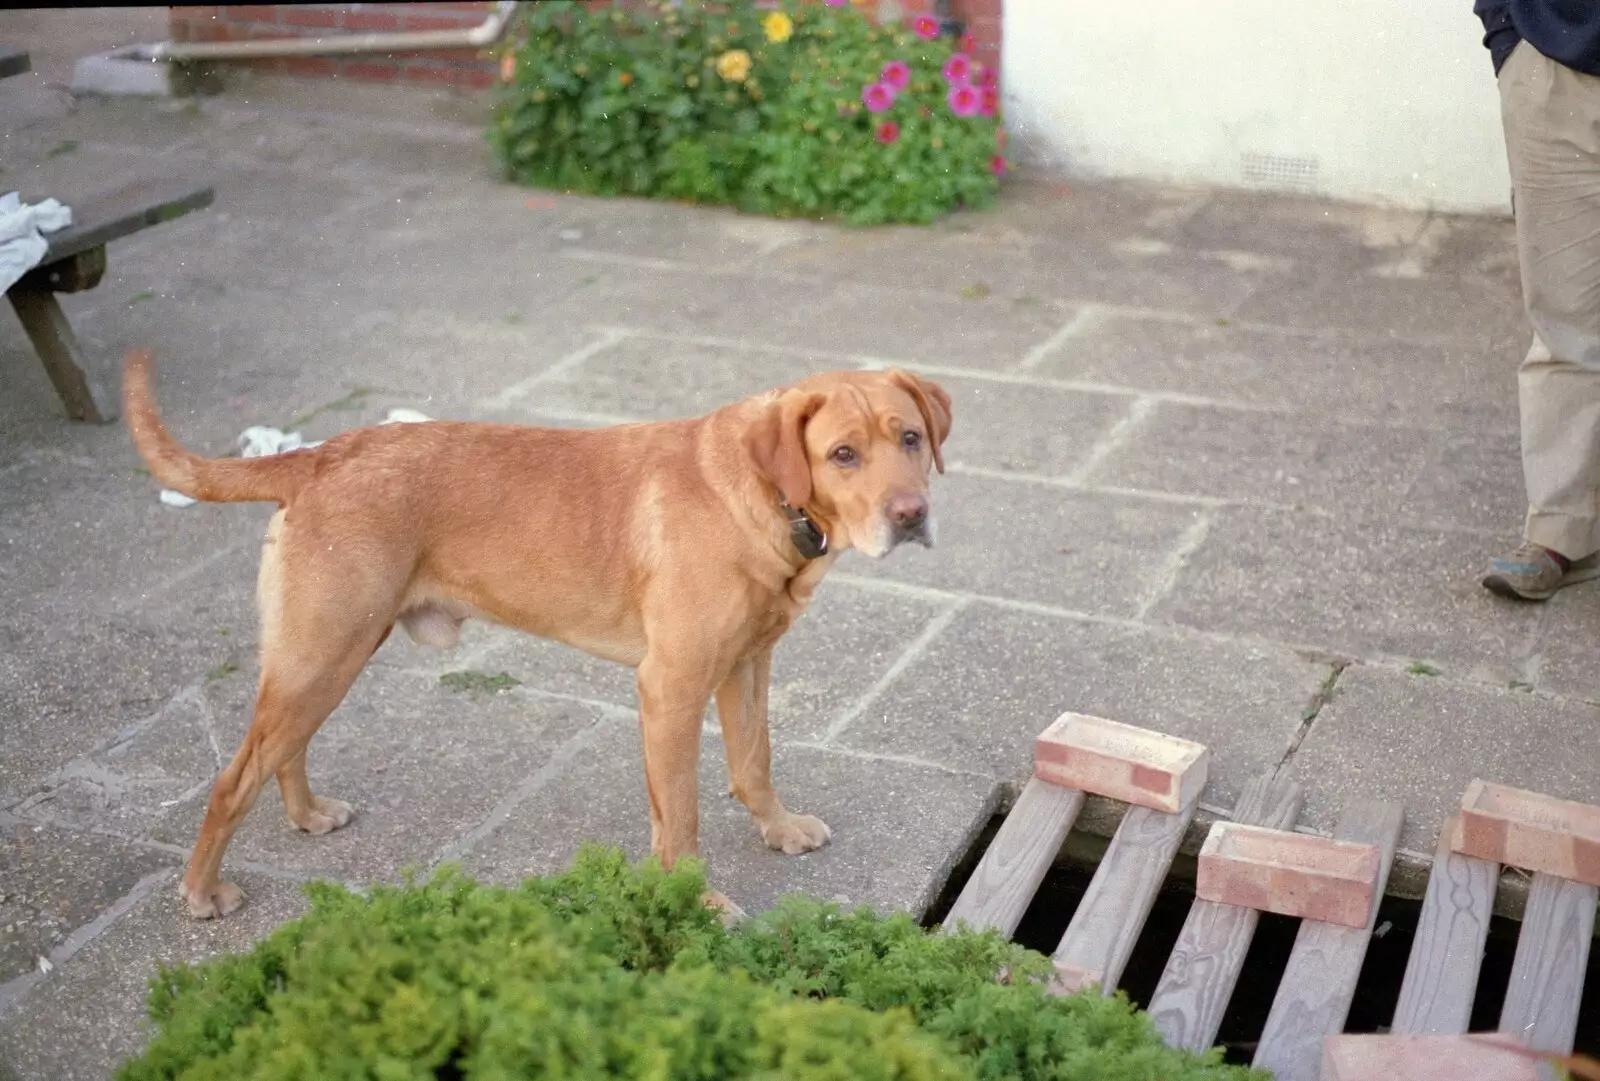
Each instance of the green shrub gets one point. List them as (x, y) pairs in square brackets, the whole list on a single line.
[(618, 971), (769, 110)]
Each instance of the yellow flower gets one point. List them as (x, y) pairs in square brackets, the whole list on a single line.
[(778, 26), (734, 65)]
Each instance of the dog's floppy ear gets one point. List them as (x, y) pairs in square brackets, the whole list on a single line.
[(777, 442), (933, 403)]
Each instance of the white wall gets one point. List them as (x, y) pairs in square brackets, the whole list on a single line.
[(1382, 101)]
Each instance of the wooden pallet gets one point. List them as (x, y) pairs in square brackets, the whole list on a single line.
[(1314, 996)]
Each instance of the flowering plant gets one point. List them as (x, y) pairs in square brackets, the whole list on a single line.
[(792, 109)]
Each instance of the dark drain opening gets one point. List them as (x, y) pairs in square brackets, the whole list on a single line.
[(1377, 990)]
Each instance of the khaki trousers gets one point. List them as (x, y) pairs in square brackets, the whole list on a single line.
[(1552, 127)]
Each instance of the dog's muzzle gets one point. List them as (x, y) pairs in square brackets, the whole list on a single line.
[(910, 518)]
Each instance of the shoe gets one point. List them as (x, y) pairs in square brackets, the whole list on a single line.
[(1532, 573)]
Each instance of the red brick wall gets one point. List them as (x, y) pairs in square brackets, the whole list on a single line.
[(246, 22), (982, 19), (462, 67)]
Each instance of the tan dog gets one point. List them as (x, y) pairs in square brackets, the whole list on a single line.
[(684, 549)]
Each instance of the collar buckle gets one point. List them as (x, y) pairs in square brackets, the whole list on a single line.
[(809, 540)]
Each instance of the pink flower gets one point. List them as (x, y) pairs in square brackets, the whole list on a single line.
[(897, 73), (836, 3), (957, 69), (888, 132), (988, 77), (965, 100), (926, 27), (991, 102), (997, 165), (877, 96)]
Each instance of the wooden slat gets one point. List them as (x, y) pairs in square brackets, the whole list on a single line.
[(100, 219), (1541, 1005), (1204, 966), (1006, 878), (1314, 997), (1108, 920), (1442, 975), (13, 61)]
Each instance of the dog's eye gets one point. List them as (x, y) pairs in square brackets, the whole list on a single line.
[(911, 440), (843, 456)]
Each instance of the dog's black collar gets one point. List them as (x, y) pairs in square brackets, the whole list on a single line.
[(809, 540)]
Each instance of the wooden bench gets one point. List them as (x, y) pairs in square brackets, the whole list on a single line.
[(76, 261)]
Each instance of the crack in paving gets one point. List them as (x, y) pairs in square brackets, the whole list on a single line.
[(1308, 716)]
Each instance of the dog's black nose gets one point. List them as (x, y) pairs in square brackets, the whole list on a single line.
[(908, 511)]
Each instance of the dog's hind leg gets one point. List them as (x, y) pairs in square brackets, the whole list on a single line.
[(315, 815), (314, 642), (291, 705)]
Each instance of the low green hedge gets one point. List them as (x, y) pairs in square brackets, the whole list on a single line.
[(800, 109), (618, 971)]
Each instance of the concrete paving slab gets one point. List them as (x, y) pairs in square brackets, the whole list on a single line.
[(1368, 588), (89, 1015), (1044, 431), (911, 326), (67, 695), (649, 378), (1473, 481), (897, 827), (1326, 298), (1041, 544), (1564, 656), (1270, 458), (1244, 702), (55, 882), (1468, 384), (1389, 734), (421, 764)]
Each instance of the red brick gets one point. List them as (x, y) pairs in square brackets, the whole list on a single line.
[(250, 13), (1478, 1057), (477, 80), (384, 71), (206, 32), (1529, 830), (369, 20), (310, 65), (322, 18), (422, 73), (1121, 762), (968, 10), (1291, 874), (410, 20), (454, 56)]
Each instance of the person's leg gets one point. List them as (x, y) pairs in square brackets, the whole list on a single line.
[(1552, 127)]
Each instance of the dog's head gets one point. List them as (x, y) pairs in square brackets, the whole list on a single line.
[(855, 450)]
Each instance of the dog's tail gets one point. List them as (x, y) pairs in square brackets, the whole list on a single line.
[(214, 480)]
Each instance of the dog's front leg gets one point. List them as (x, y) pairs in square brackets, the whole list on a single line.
[(673, 693), (742, 708)]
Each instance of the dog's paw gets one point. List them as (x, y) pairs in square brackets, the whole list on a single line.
[(326, 816), (794, 834), (731, 913), (212, 902)]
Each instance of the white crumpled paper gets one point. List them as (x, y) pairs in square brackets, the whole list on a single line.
[(260, 442), (22, 229)]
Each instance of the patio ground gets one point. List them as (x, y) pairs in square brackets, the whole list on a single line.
[(1226, 465)]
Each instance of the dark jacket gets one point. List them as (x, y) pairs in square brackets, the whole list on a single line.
[(1567, 31)]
